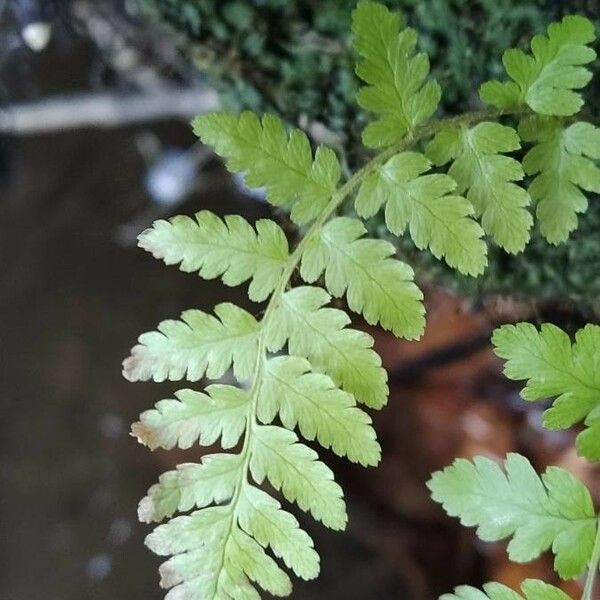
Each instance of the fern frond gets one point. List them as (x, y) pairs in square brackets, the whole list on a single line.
[(552, 512), (376, 285), (533, 589), (192, 485), (423, 203), (195, 417), (229, 248), (560, 162), (480, 168), (545, 81), (552, 366), (196, 345), (396, 90), (320, 335), (319, 409), (269, 158), (293, 469)]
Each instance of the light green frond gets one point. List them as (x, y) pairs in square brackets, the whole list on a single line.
[(230, 248), (552, 512), (195, 417), (198, 345), (378, 286), (424, 204), (262, 517), (533, 589), (321, 411), (320, 335), (553, 367), (269, 158), (293, 469), (560, 162), (191, 485), (546, 80), (480, 169), (397, 90)]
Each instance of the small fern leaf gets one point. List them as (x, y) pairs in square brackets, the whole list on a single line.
[(396, 90), (320, 335), (480, 167), (269, 158), (231, 249), (552, 512), (552, 366), (319, 409), (376, 285), (559, 161), (546, 81), (262, 517), (198, 345), (422, 203), (533, 589), (195, 417), (192, 485), (293, 469), (213, 558)]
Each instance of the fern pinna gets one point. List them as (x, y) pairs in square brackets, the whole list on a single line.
[(301, 370)]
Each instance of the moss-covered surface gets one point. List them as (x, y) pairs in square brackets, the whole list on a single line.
[(294, 58)]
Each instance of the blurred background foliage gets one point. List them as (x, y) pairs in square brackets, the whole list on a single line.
[(293, 58)]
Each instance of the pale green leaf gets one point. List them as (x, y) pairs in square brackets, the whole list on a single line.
[(198, 345), (435, 218), (552, 366), (533, 589), (195, 417), (376, 285), (397, 90), (321, 411), (546, 80), (269, 158), (231, 249), (559, 161), (320, 335), (552, 512), (293, 469), (480, 169), (262, 517), (190, 485)]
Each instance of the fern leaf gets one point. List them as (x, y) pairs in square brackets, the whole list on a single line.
[(376, 285), (552, 367), (546, 80), (262, 517), (269, 158), (199, 344), (552, 512), (228, 248), (319, 409), (422, 203), (396, 90), (320, 335), (562, 170), (214, 559), (294, 469), (480, 167), (195, 417), (190, 485), (533, 589)]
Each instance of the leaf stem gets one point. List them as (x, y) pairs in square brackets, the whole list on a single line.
[(593, 568)]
